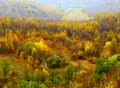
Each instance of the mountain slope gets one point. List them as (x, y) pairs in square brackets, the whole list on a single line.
[(16, 8), (90, 7), (72, 10)]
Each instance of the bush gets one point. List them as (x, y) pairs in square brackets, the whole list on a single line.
[(22, 84), (42, 86), (26, 48), (32, 76), (103, 65), (118, 57), (69, 73), (58, 79), (26, 84), (118, 65), (54, 62), (37, 50), (5, 68)]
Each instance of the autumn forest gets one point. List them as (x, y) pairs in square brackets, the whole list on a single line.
[(44, 53)]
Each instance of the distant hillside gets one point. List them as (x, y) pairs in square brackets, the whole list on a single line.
[(90, 7), (25, 8), (72, 10)]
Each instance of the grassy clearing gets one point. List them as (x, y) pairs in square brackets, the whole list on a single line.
[(12, 61)]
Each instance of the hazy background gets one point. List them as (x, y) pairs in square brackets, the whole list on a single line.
[(68, 10)]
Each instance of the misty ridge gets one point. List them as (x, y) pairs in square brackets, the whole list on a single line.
[(61, 10)]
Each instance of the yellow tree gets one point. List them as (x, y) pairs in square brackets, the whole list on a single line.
[(6, 22), (107, 49)]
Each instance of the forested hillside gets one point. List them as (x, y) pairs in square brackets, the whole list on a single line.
[(26, 8), (36, 53)]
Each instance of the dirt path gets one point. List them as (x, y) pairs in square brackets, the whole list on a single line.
[(84, 64), (87, 65)]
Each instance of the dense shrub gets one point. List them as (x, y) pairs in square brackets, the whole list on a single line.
[(5, 68), (55, 62), (42, 85), (118, 57), (26, 48), (58, 79), (103, 65), (69, 73)]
